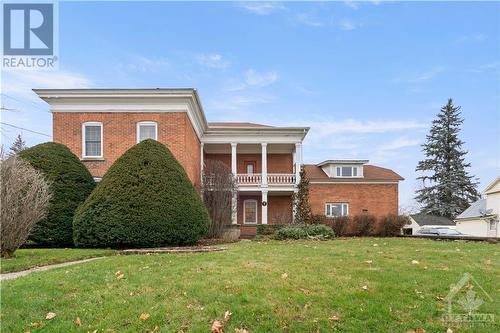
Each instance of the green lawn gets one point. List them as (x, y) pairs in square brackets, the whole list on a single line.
[(28, 258), (323, 279)]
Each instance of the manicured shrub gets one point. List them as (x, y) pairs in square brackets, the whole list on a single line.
[(391, 225), (304, 232), (70, 183), (144, 200), (268, 229)]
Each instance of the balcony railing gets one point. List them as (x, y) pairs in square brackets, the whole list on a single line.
[(272, 179)]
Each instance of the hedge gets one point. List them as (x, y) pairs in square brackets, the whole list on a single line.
[(317, 231), (364, 225), (145, 199), (70, 183)]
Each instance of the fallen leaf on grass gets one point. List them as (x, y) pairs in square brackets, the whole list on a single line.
[(440, 298), (227, 315), (284, 275), (217, 327), (364, 287), (368, 261), (78, 321), (469, 286), (305, 291), (415, 262), (420, 330), (144, 316), (449, 330), (50, 315), (334, 318), (121, 276), (241, 330), (307, 305), (155, 329)]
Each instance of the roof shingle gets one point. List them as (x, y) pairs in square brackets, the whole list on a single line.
[(370, 173)]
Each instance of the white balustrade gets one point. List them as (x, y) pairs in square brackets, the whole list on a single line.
[(272, 179)]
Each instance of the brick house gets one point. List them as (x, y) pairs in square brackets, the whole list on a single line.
[(99, 125)]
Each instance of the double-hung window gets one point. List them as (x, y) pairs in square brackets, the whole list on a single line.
[(147, 130), (92, 140), (333, 209), (347, 171)]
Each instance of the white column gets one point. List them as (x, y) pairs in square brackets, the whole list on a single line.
[(202, 163), (264, 164), (234, 200), (264, 207), (233, 158), (298, 161)]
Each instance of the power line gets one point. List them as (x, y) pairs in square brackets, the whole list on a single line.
[(25, 102), (26, 129)]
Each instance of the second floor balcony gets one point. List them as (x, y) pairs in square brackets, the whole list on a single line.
[(246, 179)]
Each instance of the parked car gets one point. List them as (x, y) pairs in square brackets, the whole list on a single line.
[(439, 232)]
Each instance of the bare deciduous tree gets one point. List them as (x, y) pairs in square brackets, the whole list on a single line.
[(25, 197), (218, 189)]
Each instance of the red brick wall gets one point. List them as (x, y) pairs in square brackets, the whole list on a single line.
[(119, 134), (279, 209), (378, 199), (276, 163)]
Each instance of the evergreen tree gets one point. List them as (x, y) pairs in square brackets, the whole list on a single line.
[(300, 200), (17, 146), (447, 188)]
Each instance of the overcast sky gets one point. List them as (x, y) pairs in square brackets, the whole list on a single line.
[(367, 77)]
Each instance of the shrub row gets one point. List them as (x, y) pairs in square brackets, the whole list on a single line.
[(268, 229), (363, 225), (145, 199), (304, 232)]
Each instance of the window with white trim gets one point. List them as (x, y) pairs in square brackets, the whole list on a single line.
[(333, 209), (92, 140), (147, 130), (250, 212), (347, 171)]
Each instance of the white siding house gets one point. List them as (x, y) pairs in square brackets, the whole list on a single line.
[(419, 221), (481, 218)]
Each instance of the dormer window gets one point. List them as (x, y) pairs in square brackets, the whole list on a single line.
[(347, 171)]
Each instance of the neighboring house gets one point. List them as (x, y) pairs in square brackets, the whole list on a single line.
[(481, 218), (99, 125), (419, 221)]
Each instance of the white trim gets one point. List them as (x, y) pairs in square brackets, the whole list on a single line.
[(146, 123), (342, 206), (84, 152), (256, 211)]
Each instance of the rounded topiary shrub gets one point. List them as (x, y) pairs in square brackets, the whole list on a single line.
[(144, 200), (70, 184)]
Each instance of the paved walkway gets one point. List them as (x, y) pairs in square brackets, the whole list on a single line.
[(15, 275)]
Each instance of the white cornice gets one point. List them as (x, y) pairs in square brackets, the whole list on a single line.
[(165, 100), (128, 100)]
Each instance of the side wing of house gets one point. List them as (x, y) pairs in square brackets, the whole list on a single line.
[(352, 187)]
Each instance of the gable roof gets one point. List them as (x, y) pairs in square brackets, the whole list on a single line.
[(476, 209), (371, 173), (492, 187), (426, 219)]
